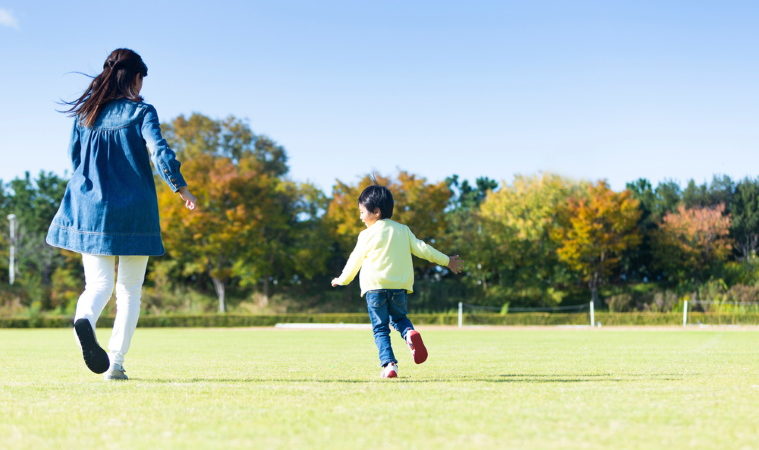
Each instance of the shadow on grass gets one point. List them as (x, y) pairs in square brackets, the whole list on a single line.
[(587, 378), (505, 378), (598, 376)]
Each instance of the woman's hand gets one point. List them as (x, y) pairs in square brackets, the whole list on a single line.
[(190, 202), (455, 263)]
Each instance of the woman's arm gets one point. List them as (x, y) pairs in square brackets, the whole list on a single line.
[(163, 157)]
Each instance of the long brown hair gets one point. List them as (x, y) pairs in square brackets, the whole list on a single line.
[(117, 80)]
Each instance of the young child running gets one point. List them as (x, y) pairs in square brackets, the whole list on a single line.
[(383, 254), (110, 208)]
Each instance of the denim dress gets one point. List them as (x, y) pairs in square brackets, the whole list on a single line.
[(110, 205)]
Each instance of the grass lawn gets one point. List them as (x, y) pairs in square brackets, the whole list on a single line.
[(487, 388)]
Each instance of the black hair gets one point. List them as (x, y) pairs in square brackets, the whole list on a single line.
[(374, 197), (120, 70)]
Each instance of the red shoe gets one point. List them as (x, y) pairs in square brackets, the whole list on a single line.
[(415, 344), (390, 371)]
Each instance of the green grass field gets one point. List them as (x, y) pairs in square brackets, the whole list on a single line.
[(485, 388)]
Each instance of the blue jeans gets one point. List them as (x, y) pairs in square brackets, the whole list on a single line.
[(387, 307)]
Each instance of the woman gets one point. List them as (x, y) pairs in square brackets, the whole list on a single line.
[(110, 208)]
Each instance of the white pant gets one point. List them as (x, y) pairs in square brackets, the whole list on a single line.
[(99, 280)]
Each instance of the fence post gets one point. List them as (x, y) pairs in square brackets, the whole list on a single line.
[(685, 313), (12, 255), (461, 314), (592, 315)]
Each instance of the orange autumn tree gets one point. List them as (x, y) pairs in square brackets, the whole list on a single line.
[(597, 228), (227, 228), (692, 243), (252, 225)]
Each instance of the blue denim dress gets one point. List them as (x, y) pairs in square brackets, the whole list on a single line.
[(110, 205)]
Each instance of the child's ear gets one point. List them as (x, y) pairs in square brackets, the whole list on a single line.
[(377, 212)]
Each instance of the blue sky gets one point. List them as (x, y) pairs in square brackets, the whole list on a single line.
[(608, 89)]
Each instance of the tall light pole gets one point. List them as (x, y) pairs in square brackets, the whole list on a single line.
[(12, 263)]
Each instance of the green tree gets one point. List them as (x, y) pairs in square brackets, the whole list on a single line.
[(4, 250), (718, 192), (668, 197), (35, 202), (466, 233), (466, 198), (638, 262), (745, 218)]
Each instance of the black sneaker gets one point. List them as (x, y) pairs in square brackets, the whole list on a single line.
[(94, 356)]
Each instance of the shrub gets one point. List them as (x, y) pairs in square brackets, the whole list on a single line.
[(662, 301), (66, 286), (620, 302), (241, 320), (742, 293)]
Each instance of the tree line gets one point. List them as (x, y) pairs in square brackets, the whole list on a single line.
[(264, 242)]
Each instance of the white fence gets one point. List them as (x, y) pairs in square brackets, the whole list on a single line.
[(568, 308), (688, 306)]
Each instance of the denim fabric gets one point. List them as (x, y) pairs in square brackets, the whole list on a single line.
[(387, 307), (110, 205)]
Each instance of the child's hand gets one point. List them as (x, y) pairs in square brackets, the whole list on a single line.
[(455, 263), (190, 202), (334, 282)]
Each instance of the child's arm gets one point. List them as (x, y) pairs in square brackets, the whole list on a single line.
[(423, 250), (455, 263), (353, 265)]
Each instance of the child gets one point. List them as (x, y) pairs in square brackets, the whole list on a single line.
[(110, 208), (383, 254)]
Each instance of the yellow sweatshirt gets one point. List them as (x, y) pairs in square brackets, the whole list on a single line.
[(383, 254)]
